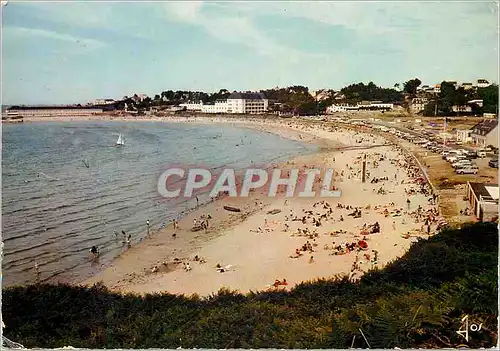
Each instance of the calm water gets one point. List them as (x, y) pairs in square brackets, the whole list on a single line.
[(66, 186)]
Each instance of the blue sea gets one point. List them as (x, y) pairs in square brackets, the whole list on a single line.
[(66, 186)]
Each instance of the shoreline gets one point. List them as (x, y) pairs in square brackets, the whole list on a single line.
[(147, 268), (223, 221)]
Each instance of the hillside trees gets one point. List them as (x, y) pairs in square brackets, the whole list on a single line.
[(410, 87)]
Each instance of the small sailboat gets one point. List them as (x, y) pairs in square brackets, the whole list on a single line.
[(120, 141)]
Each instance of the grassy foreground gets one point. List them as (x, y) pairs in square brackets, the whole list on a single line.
[(416, 301)]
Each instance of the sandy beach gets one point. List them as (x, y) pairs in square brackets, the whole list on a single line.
[(309, 238)]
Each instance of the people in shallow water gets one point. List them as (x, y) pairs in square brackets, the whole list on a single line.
[(94, 250)]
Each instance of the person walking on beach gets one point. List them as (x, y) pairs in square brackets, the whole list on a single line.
[(147, 224), (37, 272), (408, 202)]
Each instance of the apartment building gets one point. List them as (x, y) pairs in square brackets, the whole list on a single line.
[(248, 103), (220, 106)]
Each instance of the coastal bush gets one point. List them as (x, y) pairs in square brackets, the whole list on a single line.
[(415, 301)]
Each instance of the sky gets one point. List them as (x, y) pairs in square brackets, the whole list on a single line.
[(75, 52)]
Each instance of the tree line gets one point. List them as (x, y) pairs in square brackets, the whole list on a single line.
[(297, 100), (450, 96)]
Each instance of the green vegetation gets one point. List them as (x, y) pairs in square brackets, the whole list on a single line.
[(416, 301), (295, 100), (410, 87), (360, 92), (450, 96)]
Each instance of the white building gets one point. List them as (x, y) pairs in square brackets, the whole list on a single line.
[(249, 103), (461, 108), (341, 108), (418, 105), (483, 199), (463, 136), (482, 83), (220, 106), (52, 112), (103, 101), (193, 106), (244, 103), (375, 106), (467, 86), (360, 106), (485, 133), (478, 102), (437, 88)]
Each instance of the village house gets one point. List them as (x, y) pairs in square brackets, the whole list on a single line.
[(482, 83), (483, 199), (485, 133), (461, 108), (463, 136), (478, 102), (418, 105), (467, 86)]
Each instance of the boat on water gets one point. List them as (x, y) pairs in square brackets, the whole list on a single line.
[(120, 141)]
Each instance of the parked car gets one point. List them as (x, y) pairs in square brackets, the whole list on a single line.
[(455, 158), (470, 155), (493, 163), (481, 153), (467, 170), (461, 163)]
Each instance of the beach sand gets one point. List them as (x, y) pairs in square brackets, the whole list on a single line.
[(255, 258)]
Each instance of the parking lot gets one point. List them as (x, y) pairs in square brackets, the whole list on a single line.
[(449, 184)]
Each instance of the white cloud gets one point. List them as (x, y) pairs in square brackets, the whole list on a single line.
[(79, 45), (89, 14), (188, 11), (231, 27)]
